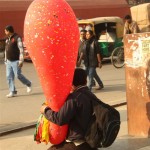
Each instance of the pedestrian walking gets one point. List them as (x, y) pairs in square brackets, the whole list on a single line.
[(14, 61), (76, 112), (82, 40), (81, 44), (92, 59)]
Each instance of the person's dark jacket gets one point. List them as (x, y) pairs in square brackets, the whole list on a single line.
[(11, 47), (76, 112), (90, 51)]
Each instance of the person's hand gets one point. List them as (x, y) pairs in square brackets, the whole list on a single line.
[(43, 107), (20, 64), (100, 65)]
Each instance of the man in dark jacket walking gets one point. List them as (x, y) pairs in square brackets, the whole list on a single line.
[(76, 112), (14, 61)]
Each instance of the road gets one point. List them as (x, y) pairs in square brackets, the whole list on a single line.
[(24, 109)]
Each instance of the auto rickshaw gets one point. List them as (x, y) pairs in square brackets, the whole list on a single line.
[(108, 31)]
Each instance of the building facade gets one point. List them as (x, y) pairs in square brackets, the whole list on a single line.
[(13, 11)]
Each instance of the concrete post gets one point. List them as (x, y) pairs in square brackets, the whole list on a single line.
[(137, 58)]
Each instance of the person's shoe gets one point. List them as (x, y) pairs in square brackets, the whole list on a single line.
[(11, 94), (100, 87), (29, 89), (15, 92)]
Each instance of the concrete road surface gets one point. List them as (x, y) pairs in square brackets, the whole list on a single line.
[(23, 109)]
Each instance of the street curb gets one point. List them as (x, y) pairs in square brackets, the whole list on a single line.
[(33, 125), (119, 105), (3, 133)]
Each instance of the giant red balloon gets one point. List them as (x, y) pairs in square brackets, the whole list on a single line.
[(51, 35)]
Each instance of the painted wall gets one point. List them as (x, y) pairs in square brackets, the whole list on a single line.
[(16, 19), (13, 11)]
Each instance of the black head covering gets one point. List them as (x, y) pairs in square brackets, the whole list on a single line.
[(80, 77)]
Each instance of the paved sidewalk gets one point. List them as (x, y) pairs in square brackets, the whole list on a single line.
[(24, 140)]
